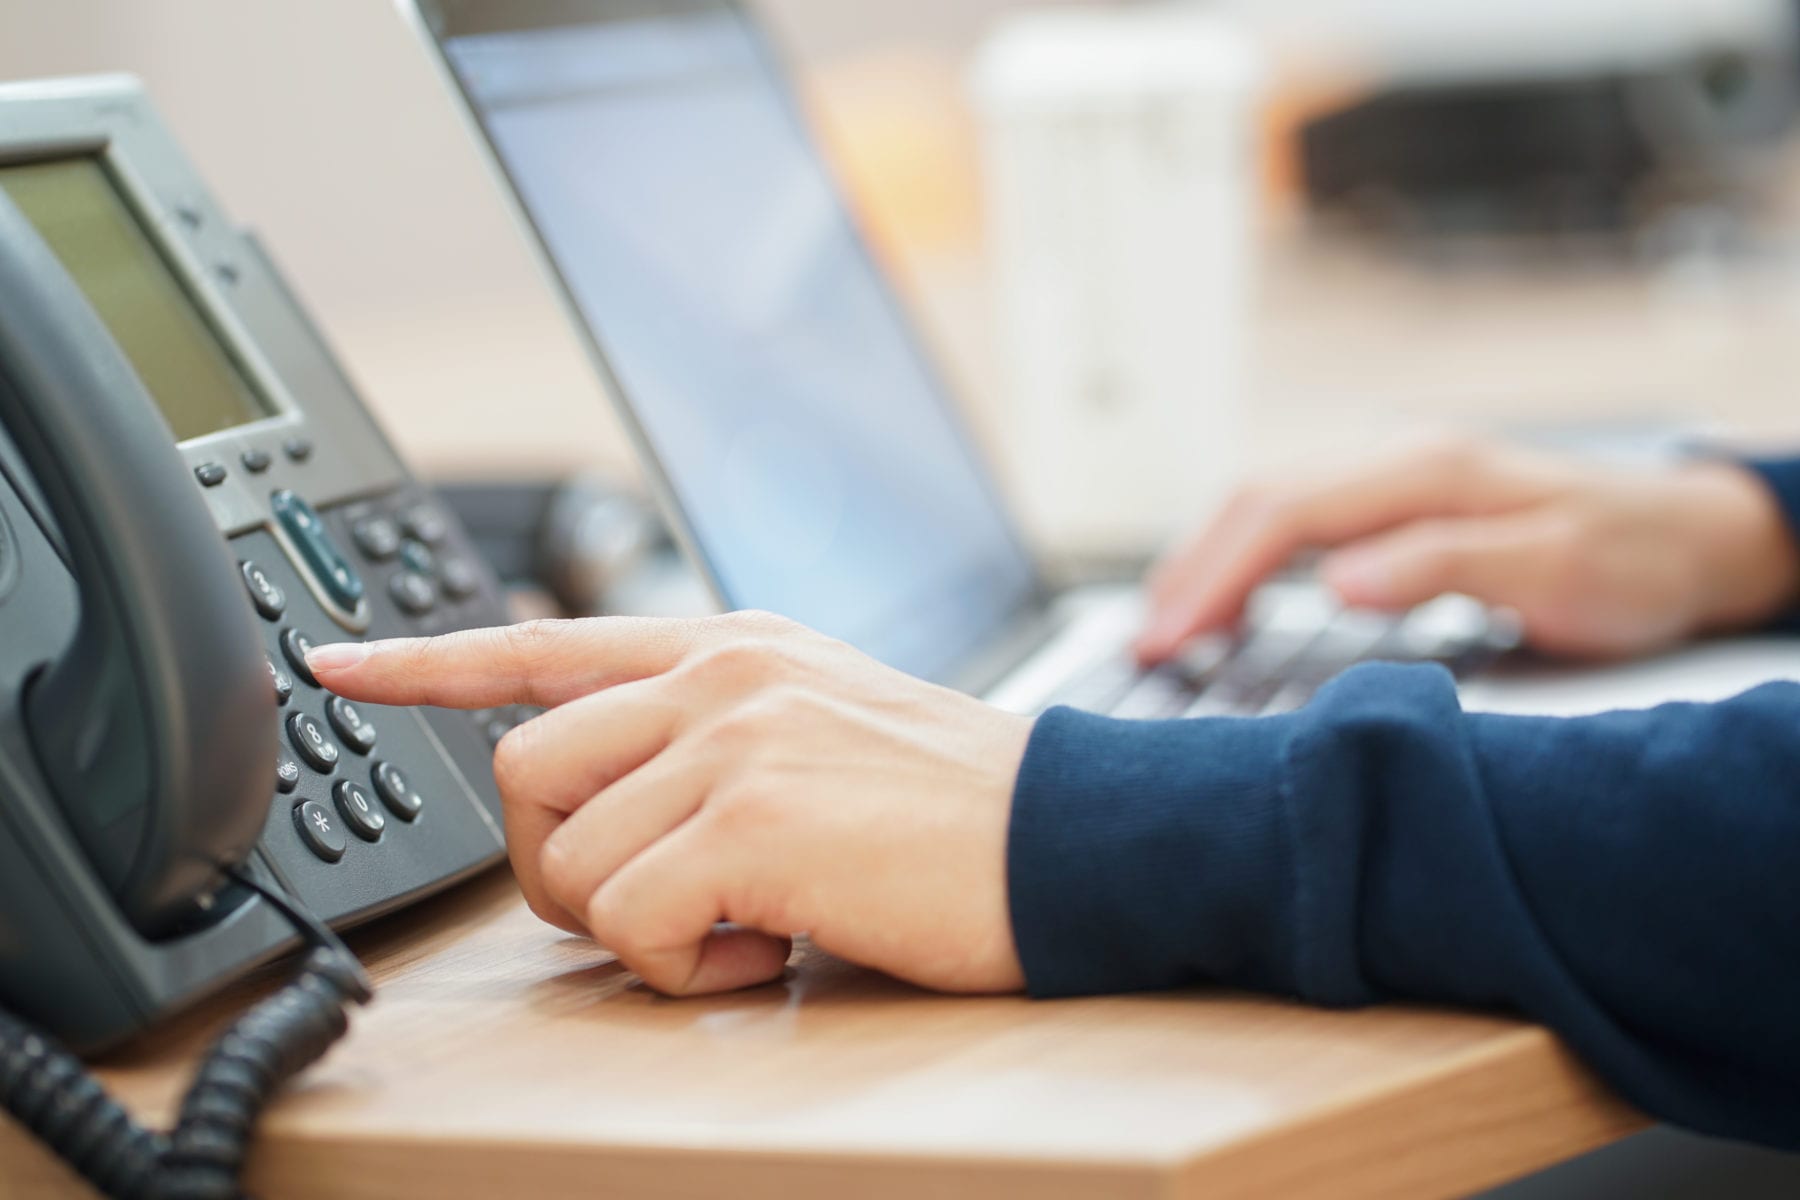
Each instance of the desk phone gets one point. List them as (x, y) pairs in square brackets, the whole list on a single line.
[(191, 494)]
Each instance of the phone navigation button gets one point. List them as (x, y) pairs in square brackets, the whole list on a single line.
[(327, 563)]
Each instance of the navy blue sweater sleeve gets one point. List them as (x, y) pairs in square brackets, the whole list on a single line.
[(1631, 880), (1782, 477)]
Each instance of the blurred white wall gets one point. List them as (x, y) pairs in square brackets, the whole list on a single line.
[(323, 124)]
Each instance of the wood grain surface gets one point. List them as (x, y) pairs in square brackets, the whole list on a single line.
[(503, 1057)]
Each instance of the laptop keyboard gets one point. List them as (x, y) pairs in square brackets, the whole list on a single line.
[(1295, 639)]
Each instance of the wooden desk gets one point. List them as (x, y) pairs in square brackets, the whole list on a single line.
[(504, 1058)]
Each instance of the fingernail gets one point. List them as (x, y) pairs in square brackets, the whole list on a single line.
[(1362, 578), (1157, 641), (338, 657)]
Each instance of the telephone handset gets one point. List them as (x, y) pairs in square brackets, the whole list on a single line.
[(191, 495), (154, 725)]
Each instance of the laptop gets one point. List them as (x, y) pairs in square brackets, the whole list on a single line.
[(803, 447)]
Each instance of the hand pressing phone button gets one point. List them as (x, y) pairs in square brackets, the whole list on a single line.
[(294, 648)]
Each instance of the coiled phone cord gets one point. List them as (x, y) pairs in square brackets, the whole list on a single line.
[(49, 1092)]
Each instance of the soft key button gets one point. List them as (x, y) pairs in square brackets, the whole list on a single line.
[(377, 537), (314, 542)]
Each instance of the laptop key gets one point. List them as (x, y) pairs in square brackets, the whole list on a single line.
[(1100, 688), (1158, 695)]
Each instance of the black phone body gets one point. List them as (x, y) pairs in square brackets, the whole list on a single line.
[(328, 536)]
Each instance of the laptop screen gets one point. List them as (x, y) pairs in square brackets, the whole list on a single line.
[(816, 461)]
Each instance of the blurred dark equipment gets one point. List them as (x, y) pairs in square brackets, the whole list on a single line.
[(589, 543), (1600, 152)]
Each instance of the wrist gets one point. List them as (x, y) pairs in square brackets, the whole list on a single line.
[(1748, 563)]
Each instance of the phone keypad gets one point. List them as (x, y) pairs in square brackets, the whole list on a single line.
[(395, 792), (283, 685), (294, 647), (359, 810), (287, 774), (349, 723), (312, 743), (269, 600), (346, 806), (320, 830)]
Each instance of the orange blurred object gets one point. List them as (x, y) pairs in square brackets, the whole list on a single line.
[(897, 127)]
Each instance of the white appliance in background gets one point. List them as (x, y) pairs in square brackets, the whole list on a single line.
[(1423, 42), (1119, 150)]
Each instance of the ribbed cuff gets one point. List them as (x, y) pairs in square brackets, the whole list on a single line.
[(1146, 855)]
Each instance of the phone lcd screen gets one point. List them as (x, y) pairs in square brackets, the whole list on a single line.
[(181, 361)]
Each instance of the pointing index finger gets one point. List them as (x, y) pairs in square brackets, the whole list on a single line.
[(542, 663)]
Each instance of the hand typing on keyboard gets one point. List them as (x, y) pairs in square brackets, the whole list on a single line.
[(1595, 562)]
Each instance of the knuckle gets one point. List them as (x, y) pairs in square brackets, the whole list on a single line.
[(610, 924), (744, 661), (545, 909), (772, 712), (559, 872), (1254, 498), (1269, 507), (756, 623), (736, 734), (532, 648), (788, 707), (1439, 558), (1564, 558), (512, 760), (531, 640), (1453, 454), (744, 805)]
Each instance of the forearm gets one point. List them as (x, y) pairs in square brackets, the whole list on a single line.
[(1631, 880)]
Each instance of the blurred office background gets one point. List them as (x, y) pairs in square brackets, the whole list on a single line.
[(1563, 214), (1556, 217)]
